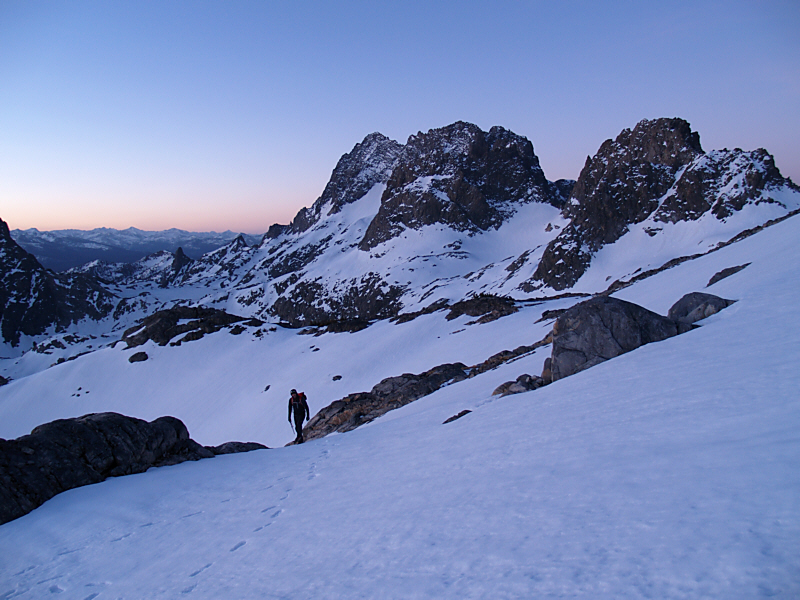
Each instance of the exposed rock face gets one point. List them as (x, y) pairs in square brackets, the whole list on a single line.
[(462, 177), (487, 307), (70, 453), (657, 170), (224, 261), (181, 260), (721, 182), (356, 173), (463, 413), (165, 325), (619, 185), (719, 276), (162, 268), (354, 301), (696, 306), (601, 328), (356, 409), (33, 299)]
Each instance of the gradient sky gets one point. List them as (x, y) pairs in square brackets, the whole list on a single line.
[(232, 115)]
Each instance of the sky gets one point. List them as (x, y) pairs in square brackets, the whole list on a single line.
[(232, 115)]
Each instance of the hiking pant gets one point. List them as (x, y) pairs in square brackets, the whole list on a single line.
[(299, 415)]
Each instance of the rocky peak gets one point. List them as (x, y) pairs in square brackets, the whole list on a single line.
[(624, 183), (462, 177), (5, 234), (181, 260), (367, 164), (668, 142), (628, 175)]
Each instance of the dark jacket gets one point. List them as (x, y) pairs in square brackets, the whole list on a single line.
[(300, 406)]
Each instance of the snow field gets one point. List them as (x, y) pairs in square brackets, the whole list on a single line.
[(668, 472)]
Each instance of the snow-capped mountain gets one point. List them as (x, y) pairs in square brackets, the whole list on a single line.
[(668, 472), (457, 212), (651, 177), (67, 248)]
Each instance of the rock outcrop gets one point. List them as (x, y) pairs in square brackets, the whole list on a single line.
[(362, 407), (523, 383), (190, 322), (696, 306), (70, 453), (485, 306), (353, 301), (601, 328), (725, 273)]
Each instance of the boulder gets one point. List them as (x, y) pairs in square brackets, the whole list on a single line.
[(524, 383), (696, 306), (601, 328), (70, 453), (138, 357), (236, 447)]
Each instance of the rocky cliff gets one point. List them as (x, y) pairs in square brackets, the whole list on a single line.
[(462, 177), (33, 299), (657, 170)]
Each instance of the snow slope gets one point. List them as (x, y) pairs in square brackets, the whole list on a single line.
[(668, 472)]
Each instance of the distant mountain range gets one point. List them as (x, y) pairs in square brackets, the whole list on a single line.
[(403, 229), (67, 248)]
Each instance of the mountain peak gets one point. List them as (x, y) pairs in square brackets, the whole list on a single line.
[(460, 176), (369, 162), (658, 168), (666, 141)]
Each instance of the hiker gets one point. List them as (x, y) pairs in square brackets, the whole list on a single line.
[(298, 404)]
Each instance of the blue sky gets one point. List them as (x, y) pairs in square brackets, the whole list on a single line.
[(231, 115)]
